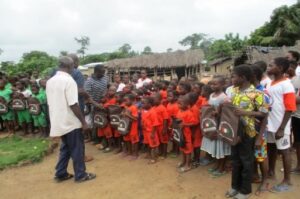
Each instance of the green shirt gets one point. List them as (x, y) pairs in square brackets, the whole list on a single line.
[(6, 94), (41, 97), (8, 86)]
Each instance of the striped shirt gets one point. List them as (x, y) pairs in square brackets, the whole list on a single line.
[(96, 88)]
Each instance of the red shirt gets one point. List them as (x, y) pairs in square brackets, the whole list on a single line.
[(161, 113), (172, 109), (109, 101), (201, 101), (196, 113), (149, 120), (134, 125), (186, 117)]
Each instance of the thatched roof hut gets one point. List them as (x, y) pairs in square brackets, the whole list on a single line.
[(160, 60), (267, 54)]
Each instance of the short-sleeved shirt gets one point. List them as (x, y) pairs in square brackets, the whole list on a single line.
[(6, 94), (141, 82), (26, 93), (162, 113), (282, 95), (186, 117), (40, 96), (134, 125), (111, 101), (96, 88), (172, 109), (249, 99), (62, 92), (149, 120)]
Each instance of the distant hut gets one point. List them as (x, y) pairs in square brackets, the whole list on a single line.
[(160, 65), (221, 66), (267, 54)]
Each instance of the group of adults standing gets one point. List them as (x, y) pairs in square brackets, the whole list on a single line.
[(67, 91)]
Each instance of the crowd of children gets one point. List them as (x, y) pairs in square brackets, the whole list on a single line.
[(23, 105), (264, 98)]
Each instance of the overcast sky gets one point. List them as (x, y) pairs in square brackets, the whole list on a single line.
[(51, 25)]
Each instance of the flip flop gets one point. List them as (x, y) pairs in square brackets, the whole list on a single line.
[(231, 193), (211, 170), (152, 161), (218, 174), (184, 169), (280, 188), (262, 189), (62, 179), (241, 196), (107, 150), (179, 165), (89, 176)]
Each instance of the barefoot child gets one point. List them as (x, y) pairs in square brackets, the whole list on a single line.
[(150, 125), (162, 129), (8, 117), (282, 93), (131, 111), (249, 103), (187, 120)]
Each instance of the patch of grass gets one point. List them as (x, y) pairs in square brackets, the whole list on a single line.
[(14, 150)]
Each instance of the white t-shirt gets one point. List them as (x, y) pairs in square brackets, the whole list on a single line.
[(297, 71), (229, 92), (62, 93), (27, 93), (121, 86), (278, 92), (141, 82), (265, 81)]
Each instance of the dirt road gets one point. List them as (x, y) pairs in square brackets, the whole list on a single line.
[(121, 178)]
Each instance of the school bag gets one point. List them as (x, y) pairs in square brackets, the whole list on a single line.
[(18, 104), (124, 126), (100, 117), (115, 115), (3, 106), (229, 124), (209, 123), (177, 132), (34, 106)]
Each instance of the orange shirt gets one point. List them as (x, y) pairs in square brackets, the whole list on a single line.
[(201, 101), (111, 101), (149, 120), (163, 94), (186, 117), (172, 109), (196, 113), (161, 113), (134, 125)]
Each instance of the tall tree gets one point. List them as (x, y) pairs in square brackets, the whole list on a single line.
[(84, 42), (220, 48), (169, 50), (282, 29), (196, 41), (147, 50)]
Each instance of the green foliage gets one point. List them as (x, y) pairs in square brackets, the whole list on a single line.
[(95, 58), (14, 150), (220, 48), (282, 29), (147, 51), (34, 60), (197, 41)]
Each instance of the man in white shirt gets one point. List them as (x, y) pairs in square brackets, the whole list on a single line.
[(143, 80), (67, 122)]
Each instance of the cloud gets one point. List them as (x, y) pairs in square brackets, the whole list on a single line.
[(51, 25)]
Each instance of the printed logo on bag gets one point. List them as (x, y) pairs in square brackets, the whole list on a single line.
[(34, 109), (176, 135), (100, 120), (208, 125), (226, 130), (3, 108), (18, 104)]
